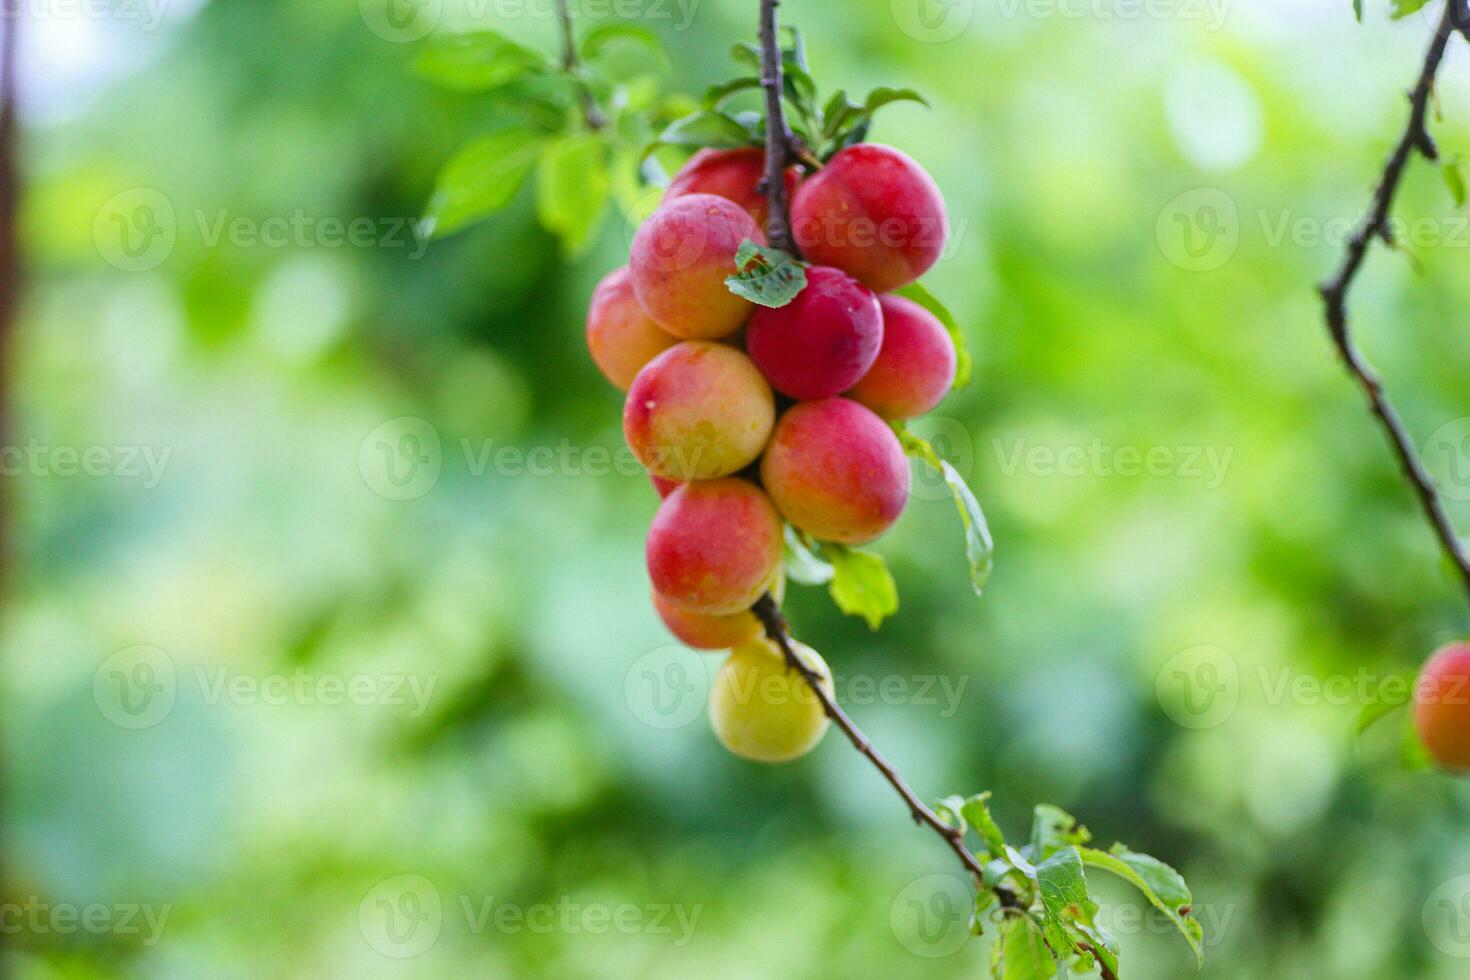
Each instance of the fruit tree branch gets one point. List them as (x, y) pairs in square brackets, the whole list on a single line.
[(591, 112), (1334, 290), (779, 154), (779, 150)]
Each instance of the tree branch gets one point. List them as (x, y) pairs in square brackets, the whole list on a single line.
[(779, 141), (1334, 290), (591, 112), (779, 153)]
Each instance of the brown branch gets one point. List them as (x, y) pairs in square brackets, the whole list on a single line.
[(1334, 290), (779, 140), (571, 64)]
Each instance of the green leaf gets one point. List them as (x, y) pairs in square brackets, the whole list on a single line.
[(976, 810), (861, 584), (963, 364), (746, 53), (1161, 885), (1454, 180), (716, 95), (477, 62), (802, 565), (599, 38), (1373, 711), (837, 113), (1063, 888), (705, 128), (1053, 828), (1358, 10), (572, 190), (1021, 952), (949, 810), (767, 276), (883, 95), (480, 179), (1403, 8), (979, 546)]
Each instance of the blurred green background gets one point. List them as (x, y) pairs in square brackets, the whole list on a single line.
[(329, 650)]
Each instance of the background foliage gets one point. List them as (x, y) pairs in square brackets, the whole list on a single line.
[(529, 774)]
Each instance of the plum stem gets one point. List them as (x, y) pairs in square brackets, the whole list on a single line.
[(571, 64), (1375, 224)]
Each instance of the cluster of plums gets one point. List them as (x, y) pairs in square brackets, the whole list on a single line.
[(746, 415)]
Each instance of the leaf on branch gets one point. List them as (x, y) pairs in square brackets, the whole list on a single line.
[(704, 128), (979, 547), (1063, 888), (1454, 179), (716, 95), (572, 189), (480, 179), (477, 62), (1358, 10), (861, 584), (600, 38), (801, 563), (950, 810), (1052, 829), (1021, 953), (964, 366), (976, 810), (767, 276), (1403, 8), (1160, 884)]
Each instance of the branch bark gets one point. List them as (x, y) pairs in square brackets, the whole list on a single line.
[(780, 151), (1334, 291), (571, 64)]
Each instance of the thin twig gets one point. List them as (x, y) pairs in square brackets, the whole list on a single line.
[(572, 65), (1334, 290), (779, 151)]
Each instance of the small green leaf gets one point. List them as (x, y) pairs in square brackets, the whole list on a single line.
[(572, 190), (950, 810), (599, 38), (861, 584), (1064, 897), (1053, 828), (746, 53), (979, 546), (477, 62), (479, 180), (802, 565), (716, 95), (1454, 180), (1403, 8), (1161, 885), (883, 95), (837, 113), (705, 128), (1358, 10), (767, 276), (976, 810), (1022, 953), (930, 302)]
